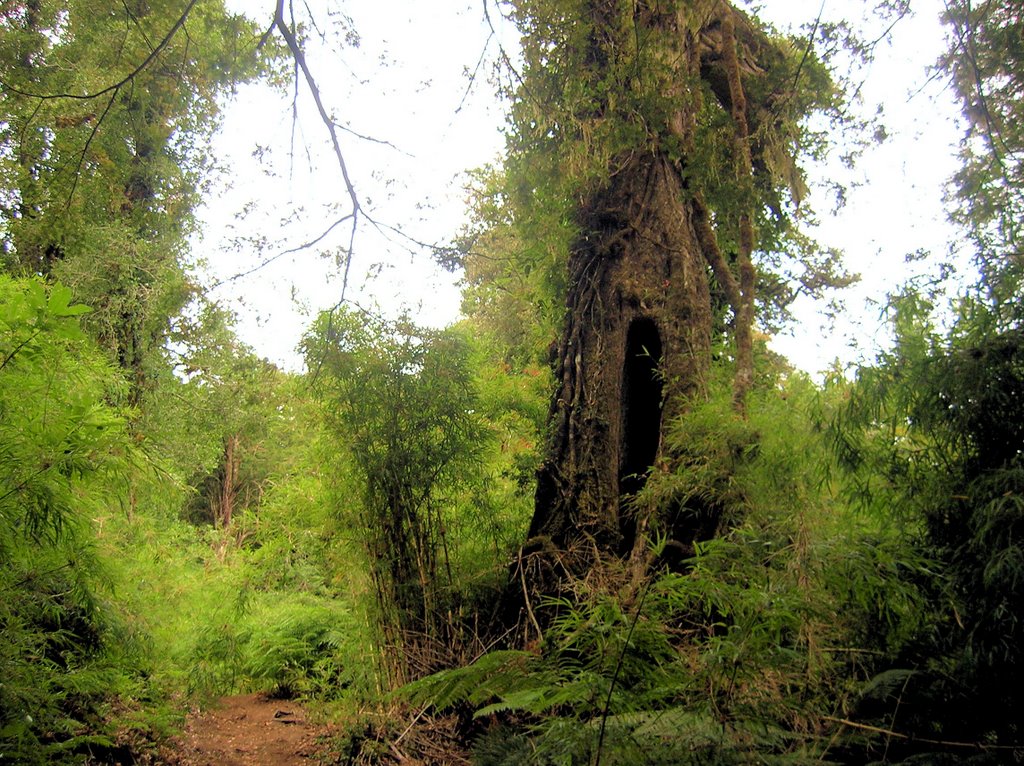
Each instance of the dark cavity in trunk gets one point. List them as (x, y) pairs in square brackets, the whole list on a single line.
[(641, 415)]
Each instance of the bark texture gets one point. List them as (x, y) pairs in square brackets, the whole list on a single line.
[(636, 346)]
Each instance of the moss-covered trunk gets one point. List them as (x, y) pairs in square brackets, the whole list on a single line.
[(636, 345), (671, 130)]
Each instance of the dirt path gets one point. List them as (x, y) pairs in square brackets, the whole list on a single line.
[(250, 730)]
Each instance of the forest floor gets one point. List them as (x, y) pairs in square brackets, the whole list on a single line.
[(252, 730)]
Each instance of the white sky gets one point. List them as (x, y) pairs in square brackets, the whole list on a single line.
[(404, 85)]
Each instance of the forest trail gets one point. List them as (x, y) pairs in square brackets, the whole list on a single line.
[(250, 730)]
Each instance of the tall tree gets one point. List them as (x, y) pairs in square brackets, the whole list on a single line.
[(985, 62), (661, 142), (104, 119)]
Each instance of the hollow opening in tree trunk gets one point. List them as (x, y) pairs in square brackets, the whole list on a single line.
[(641, 413)]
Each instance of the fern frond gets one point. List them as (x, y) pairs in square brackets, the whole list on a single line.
[(495, 674)]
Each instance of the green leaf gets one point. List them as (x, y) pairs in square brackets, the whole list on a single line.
[(60, 303)]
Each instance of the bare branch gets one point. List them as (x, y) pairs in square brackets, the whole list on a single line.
[(808, 48), (290, 251), (505, 57), (371, 139), (300, 61), (476, 70), (446, 250)]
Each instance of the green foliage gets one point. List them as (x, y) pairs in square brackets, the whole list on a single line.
[(742, 649), (135, 143), (402, 399), (378, 517), (599, 83), (104, 127), (273, 601), (64, 453), (701, 672), (512, 402), (514, 271), (56, 430), (298, 649), (280, 614), (224, 421), (985, 64), (285, 644), (933, 436), (493, 675)]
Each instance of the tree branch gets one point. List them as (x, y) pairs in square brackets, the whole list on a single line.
[(922, 740), (119, 84), (300, 61), (713, 253), (267, 261)]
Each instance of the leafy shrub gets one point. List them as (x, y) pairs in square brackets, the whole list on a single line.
[(933, 437), (401, 400), (63, 454), (300, 645)]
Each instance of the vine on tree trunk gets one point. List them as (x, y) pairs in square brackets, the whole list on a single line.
[(744, 173)]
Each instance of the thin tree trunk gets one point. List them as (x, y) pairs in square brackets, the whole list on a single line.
[(228, 487)]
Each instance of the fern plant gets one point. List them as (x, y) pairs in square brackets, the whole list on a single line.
[(740, 652), (298, 645)]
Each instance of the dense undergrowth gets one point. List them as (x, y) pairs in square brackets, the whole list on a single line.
[(840, 614), (134, 591), (751, 649), (117, 610)]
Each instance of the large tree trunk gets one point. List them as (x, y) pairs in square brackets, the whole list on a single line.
[(636, 346), (637, 341)]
